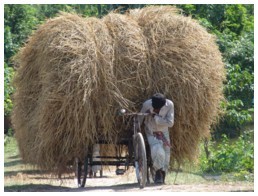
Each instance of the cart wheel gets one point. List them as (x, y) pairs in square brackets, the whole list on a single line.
[(140, 160), (81, 171)]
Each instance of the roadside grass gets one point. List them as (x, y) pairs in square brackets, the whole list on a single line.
[(12, 161), (195, 176), (19, 176)]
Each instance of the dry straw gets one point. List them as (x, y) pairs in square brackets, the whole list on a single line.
[(188, 69), (75, 73)]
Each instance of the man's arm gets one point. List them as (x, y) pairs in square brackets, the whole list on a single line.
[(169, 118)]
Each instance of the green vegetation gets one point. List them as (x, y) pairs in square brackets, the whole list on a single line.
[(8, 89), (230, 156), (233, 25), (11, 148)]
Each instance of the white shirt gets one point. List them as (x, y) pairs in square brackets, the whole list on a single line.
[(161, 121)]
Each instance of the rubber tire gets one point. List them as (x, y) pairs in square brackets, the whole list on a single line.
[(140, 160)]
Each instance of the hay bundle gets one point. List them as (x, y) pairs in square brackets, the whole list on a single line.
[(75, 73), (188, 69), (72, 62), (130, 59)]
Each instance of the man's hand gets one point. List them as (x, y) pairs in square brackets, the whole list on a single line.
[(156, 111), (151, 113)]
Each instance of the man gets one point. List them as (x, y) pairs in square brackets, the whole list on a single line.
[(156, 128)]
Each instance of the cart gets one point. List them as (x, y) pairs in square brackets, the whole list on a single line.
[(138, 155)]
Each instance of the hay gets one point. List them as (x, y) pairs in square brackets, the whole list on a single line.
[(75, 73), (188, 69), (130, 59), (72, 64)]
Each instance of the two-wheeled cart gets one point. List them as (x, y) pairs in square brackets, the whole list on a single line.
[(136, 154)]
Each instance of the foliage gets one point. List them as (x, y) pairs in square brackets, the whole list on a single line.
[(8, 89), (97, 10), (19, 21), (230, 156), (7, 140), (239, 87)]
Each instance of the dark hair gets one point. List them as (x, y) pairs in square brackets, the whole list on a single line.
[(158, 100)]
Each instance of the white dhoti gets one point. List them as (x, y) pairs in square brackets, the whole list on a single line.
[(160, 153)]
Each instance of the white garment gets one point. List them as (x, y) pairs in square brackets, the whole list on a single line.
[(95, 152), (160, 153)]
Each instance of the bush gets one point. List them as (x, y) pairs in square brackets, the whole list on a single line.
[(8, 89), (230, 156)]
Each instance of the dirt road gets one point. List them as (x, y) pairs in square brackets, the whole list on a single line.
[(31, 182)]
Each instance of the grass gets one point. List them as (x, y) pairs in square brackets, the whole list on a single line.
[(17, 175), (12, 161)]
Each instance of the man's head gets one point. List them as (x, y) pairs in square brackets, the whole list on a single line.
[(158, 100)]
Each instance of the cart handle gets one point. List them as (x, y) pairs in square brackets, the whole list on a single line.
[(123, 112)]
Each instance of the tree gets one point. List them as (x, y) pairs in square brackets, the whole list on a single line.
[(239, 87), (19, 21)]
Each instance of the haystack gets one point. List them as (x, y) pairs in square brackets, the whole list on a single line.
[(72, 63), (188, 69), (75, 73)]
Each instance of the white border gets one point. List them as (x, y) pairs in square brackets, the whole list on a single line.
[(113, 2)]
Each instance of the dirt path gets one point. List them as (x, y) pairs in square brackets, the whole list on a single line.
[(31, 182)]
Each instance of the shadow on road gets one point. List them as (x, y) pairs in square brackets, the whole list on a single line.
[(35, 188), (51, 188)]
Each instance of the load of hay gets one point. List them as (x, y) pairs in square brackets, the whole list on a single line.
[(74, 73)]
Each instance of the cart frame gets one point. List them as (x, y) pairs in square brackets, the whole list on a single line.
[(138, 156)]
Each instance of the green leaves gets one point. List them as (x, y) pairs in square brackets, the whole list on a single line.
[(239, 88), (8, 89), (9, 46), (19, 21), (230, 156), (240, 85), (238, 54)]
